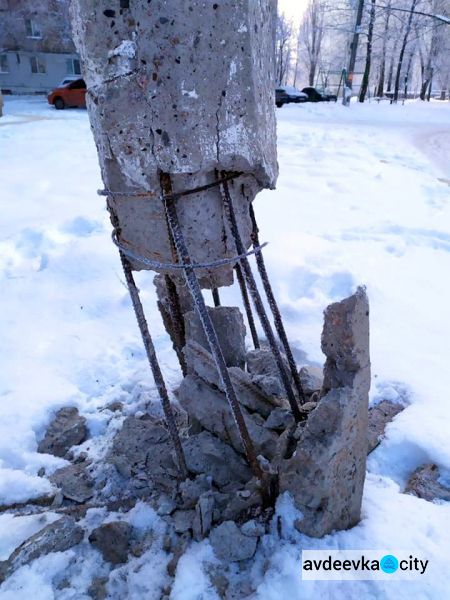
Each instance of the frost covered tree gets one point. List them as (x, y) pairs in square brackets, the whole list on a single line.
[(283, 49), (310, 38)]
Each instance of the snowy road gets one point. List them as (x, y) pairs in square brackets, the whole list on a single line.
[(363, 198)]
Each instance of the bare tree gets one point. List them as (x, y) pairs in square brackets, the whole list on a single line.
[(385, 38), (403, 48), (430, 48), (365, 81), (310, 37), (283, 49)]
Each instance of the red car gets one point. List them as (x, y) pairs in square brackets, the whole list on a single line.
[(71, 94)]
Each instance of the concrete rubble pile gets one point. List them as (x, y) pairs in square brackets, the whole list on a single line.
[(320, 461)]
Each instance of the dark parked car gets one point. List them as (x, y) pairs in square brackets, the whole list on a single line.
[(288, 94), (315, 95), (72, 93)]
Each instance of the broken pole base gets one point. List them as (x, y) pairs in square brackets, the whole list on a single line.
[(325, 474)]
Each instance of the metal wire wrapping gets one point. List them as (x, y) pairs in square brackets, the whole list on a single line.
[(154, 264)]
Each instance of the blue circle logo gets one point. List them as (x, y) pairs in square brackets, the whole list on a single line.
[(389, 564)]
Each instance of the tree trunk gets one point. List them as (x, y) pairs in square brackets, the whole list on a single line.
[(380, 89), (391, 65), (353, 52), (312, 74), (402, 51), (365, 81)]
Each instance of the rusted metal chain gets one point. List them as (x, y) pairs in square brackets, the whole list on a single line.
[(258, 303), (247, 306), (154, 364), (208, 327), (279, 326)]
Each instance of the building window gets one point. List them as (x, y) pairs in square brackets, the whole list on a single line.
[(4, 68), (37, 65), (33, 29), (73, 66)]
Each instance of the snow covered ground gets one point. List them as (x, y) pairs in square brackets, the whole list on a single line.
[(363, 198)]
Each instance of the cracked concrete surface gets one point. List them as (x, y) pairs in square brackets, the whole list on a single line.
[(184, 89)]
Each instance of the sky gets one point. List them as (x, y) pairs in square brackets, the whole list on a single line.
[(292, 8)]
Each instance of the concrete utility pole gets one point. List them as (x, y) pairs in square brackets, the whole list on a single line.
[(353, 51), (181, 102)]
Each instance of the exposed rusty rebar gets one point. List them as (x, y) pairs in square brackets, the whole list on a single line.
[(279, 326), (208, 327), (154, 364), (258, 303), (216, 297), (247, 306), (177, 331)]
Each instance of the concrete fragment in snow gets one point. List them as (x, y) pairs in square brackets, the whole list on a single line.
[(113, 541), (56, 537), (74, 482), (380, 416), (207, 454), (424, 483), (230, 544), (326, 471), (67, 429)]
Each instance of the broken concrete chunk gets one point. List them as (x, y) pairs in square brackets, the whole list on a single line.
[(174, 300), (345, 341), (201, 362), (166, 506), (241, 504), (280, 419), (74, 482), (182, 520), (203, 516), (262, 362), (253, 529), (380, 416), (56, 537), (424, 483), (326, 473), (192, 489), (230, 545), (115, 406), (229, 325), (211, 409), (308, 406), (311, 379), (265, 374), (142, 450), (205, 453), (113, 541), (326, 470), (67, 429)]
